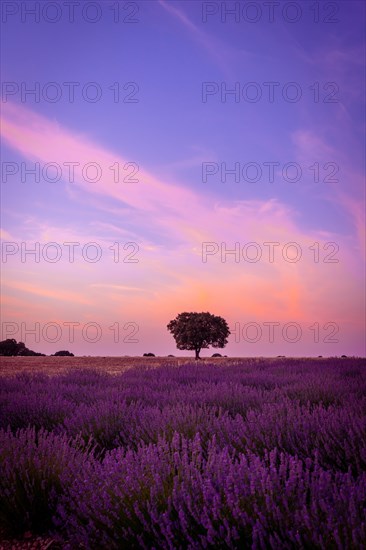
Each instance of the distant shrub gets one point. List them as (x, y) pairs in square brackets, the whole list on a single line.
[(63, 353), (149, 355), (11, 348), (216, 355)]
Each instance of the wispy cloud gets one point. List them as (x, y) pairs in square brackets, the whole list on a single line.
[(55, 293), (217, 50), (310, 148), (122, 288)]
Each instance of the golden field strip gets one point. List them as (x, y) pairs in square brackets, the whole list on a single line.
[(55, 365)]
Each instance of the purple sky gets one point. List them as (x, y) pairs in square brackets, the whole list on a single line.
[(293, 131)]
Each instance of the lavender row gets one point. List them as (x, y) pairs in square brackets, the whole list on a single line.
[(177, 494), (303, 412), (257, 454)]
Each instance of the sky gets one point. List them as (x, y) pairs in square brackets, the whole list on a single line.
[(164, 156)]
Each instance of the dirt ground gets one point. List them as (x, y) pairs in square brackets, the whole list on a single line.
[(113, 365)]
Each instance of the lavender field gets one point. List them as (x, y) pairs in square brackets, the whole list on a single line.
[(249, 454)]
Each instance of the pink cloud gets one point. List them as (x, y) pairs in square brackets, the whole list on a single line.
[(53, 293)]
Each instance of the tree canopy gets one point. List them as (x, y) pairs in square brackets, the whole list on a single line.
[(195, 331)]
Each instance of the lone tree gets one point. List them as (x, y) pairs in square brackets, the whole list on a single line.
[(194, 331)]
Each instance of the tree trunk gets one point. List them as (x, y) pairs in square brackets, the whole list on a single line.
[(197, 354)]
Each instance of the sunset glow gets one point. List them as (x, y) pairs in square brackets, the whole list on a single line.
[(185, 199)]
